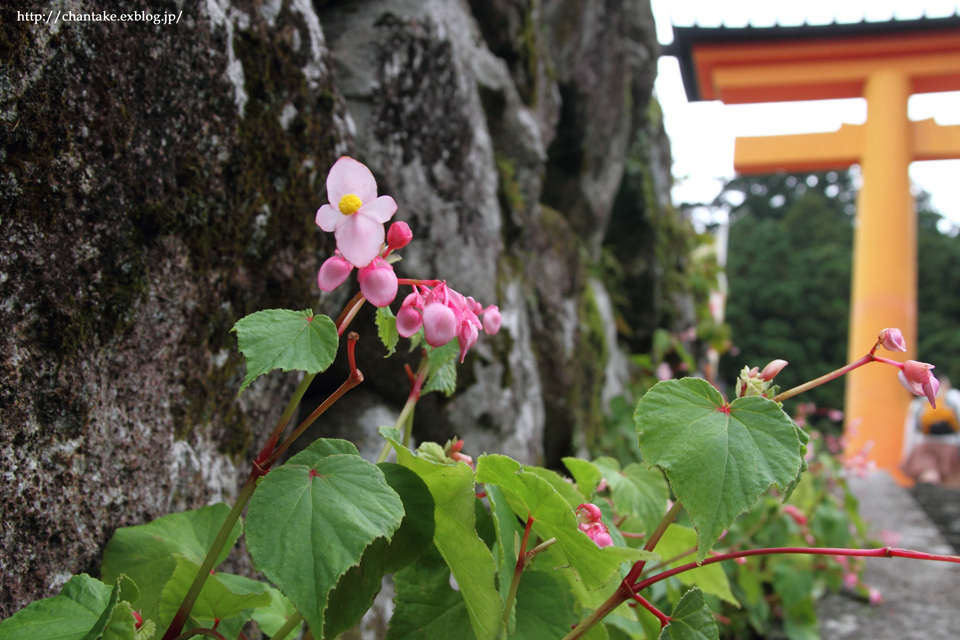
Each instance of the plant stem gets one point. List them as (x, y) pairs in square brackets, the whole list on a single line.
[(349, 311), (540, 547), (626, 591), (883, 552), (413, 282), (293, 622), (662, 617), (355, 378), (176, 625), (833, 375), (405, 419), (661, 529), (521, 563), (621, 595)]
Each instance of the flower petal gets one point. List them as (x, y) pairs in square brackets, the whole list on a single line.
[(359, 239), (381, 209), (349, 176), (328, 218)]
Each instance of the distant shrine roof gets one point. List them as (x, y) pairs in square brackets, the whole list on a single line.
[(686, 39)]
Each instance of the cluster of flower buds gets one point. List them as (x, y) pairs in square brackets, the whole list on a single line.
[(357, 221), (588, 518), (754, 382), (914, 376), (444, 315)]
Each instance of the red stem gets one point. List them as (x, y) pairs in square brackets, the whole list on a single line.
[(883, 552), (414, 282), (661, 616)]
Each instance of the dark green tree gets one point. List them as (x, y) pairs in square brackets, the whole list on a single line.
[(789, 276), (789, 269)]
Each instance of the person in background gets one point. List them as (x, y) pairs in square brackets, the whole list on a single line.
[(932, 438)]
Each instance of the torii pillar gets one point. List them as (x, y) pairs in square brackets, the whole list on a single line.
[(884, 63)]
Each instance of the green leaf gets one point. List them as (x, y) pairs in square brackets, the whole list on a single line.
[(387, 330), (426, 605), (443, 369), (275, 615), (417, 528), (554, 517), (636, 491), (563, 486), (545, 607), (121, 625), (718, 458), (312, 518), (711, 578), (355, 591), (215, 602), (84, 610), (691, 620), (145, 552), (456, 538), (586, 474), (287, 340)]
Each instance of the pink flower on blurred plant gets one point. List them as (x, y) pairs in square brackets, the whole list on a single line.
[(917, 379), (874, 595), (892, 340), (795, 513), (850, 580), (356, 215), (588, 517), (378, 282)]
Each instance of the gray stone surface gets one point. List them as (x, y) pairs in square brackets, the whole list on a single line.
[(921, 599), (157, 183)]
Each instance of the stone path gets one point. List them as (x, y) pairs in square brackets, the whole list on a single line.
[(921, 599)]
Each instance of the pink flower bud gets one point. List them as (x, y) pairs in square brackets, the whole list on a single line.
[(917, 379), (892, 340), (771, 370), (333, 272), (439, 324), (398, 235), (850, 580), (378, 282), (600, 536), (588, 513), (875, 596), (491, 320), (467, 338), (138, 618), (410, 318), (796, 514)]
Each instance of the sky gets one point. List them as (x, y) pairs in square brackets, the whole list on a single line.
[(702, 133)]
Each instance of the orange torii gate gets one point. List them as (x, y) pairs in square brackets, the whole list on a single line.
[(885, 63)]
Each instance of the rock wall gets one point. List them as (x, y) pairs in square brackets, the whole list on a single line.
[(159, 182)]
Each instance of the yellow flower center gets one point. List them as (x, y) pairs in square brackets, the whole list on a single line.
[(349, 204)]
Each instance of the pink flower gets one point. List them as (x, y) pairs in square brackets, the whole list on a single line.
[(850, 580), (771, 370), (410, 316), (491, 320), (664, 372), (795, 513), (333, 272), (356, 215), (892, 340), (588, 517), (398, 235), (875, 596), (439, 324), (917, 379), (378, 282)]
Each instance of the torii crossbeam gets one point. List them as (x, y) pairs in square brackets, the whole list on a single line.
[(885, 63)]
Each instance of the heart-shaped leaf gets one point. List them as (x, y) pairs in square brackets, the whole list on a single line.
[(287, 340), (691, 620), (719, 458), (312, 519)]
